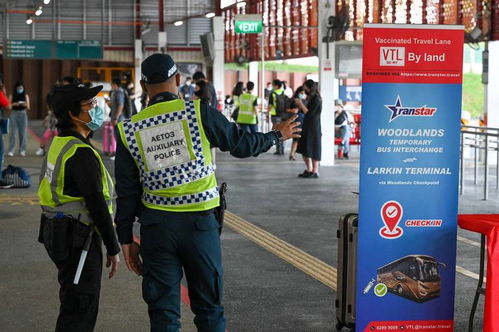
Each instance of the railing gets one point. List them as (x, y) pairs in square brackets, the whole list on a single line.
[(479, 139)]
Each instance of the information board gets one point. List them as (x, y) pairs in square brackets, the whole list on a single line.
[(57, 49), (409, 171)]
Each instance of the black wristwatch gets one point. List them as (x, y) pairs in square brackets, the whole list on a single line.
[(278, 134)]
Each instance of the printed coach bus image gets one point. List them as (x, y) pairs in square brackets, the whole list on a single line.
[(415, 277)]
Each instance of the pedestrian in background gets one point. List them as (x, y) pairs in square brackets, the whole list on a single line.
[(298, 96), (117, 105), (248, 115), (186, 90), (202, 92), (277, 108), (49, 123), (237, 91), (199, 76), (343, 122), (19, 101), (4, 105), (310, 143)]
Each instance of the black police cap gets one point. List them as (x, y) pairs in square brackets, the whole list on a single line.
[(158, 68), (64, 96)]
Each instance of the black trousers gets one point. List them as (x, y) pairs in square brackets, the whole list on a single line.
[(80, 303)]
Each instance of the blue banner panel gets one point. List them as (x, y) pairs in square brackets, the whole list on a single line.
[(408, 200)]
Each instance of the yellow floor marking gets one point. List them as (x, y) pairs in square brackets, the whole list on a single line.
[(291, 254), (19, 200)]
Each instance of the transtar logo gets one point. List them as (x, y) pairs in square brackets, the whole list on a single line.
[(399, 110)]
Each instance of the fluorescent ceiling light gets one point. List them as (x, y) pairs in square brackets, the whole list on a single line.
[(29, 20), (178, 23), (210, 15), (39, 11), (46, 2)]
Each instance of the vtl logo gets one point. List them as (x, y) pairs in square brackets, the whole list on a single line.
[(392, 56)]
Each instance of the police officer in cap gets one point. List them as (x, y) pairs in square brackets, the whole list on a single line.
[(165, 176), (76, 194)]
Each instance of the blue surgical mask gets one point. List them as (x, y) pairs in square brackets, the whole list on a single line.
[(302, 96), (20, 90), (97, 116)]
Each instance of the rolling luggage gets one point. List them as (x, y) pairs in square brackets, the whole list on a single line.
[(347, 269), (109, 141)]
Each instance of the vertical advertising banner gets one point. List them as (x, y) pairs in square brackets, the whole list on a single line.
[(409, 170)]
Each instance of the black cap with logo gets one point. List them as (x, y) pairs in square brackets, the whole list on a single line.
[(158, 68), (64, 96)]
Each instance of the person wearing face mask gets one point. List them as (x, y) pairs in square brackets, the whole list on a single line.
[(310, 145), (165, 177), (186, 90), (19, 101), (298, 96), (75, 194)]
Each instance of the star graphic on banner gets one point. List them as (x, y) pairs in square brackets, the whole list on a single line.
[(394, 108)]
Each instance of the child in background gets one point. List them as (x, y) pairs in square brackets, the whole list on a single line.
[(49, 123)]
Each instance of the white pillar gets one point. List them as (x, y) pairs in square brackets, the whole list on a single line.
[(492, 106), (326, 84), (219, 61), (138, 57), (253, 75)]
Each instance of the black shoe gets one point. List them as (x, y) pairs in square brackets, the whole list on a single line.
[(5, 185), (305, 174), (345, 156), (314, 175)]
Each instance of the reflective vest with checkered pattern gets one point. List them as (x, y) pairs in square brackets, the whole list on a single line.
[(187, 185)]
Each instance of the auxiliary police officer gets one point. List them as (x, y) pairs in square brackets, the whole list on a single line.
[(247, 115), (76, 194), (164, 176)]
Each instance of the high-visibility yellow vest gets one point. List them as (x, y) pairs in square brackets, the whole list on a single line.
[(171, 151), (273, 106), (51, 188), (236, 101), (247, 111)]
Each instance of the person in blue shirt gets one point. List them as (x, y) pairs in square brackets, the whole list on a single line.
[(165, 177)]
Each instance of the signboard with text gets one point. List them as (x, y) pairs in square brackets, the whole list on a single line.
[(248, 24), (411, 111), (57, 49)]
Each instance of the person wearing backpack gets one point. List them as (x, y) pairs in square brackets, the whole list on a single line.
[(343, 122), (277, 108), (4, 105), (247, 115)]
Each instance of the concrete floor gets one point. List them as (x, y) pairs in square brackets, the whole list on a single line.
[(262, 291)]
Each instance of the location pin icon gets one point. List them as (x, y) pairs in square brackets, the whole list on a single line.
[(391, 213)]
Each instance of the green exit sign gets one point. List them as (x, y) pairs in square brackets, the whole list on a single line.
[(248, 24)]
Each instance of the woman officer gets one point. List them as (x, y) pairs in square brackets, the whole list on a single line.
[(76, 198)]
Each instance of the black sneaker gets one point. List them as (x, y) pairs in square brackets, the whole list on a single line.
[(5, 185), (314, 175), (305, 174)]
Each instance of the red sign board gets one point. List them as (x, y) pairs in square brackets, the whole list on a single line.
[(405, 55)]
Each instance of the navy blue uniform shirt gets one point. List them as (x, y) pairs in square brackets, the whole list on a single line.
[(220, 132)]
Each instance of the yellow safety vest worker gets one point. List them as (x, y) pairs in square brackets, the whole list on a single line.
[(273, 106), (247, 111), (171, 150), (50, 190)]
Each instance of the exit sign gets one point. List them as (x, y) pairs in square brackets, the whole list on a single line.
[(248, 24)]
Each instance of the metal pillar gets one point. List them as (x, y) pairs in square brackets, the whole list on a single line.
[(326, 84)]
